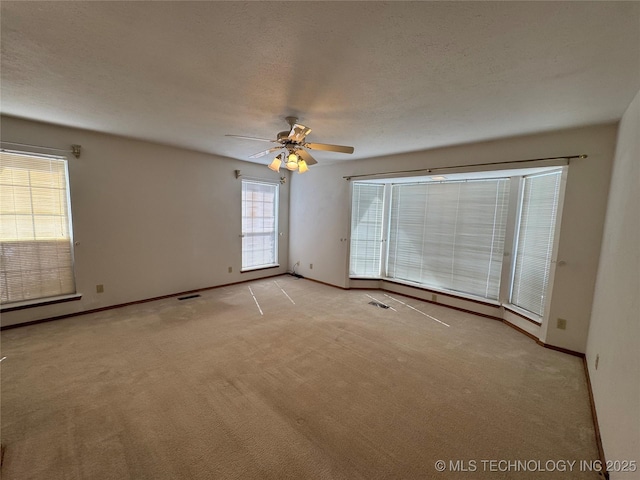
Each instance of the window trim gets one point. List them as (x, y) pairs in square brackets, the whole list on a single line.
[(255, 269), (442, 291), (533, 316), (383, 231), (40, 302), (516, 175), (460, 183), (74, 295), (523, 313), (276, 235)]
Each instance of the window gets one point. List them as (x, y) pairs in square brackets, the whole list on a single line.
[(259, 225), (539, 205), (35, 228), (366, 229), (449, 235)]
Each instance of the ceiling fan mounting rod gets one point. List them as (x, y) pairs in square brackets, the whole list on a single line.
[(291, 121)]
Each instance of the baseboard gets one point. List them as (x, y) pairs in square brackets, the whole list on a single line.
[(523, 331), (127, 304), (563, 350), (335, 286), (439, 292), (520, 315), (453, 307), (566, 351), (594, 415), (493, 317)]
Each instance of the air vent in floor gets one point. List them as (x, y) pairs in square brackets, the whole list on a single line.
[(189, 296), (378, 304)]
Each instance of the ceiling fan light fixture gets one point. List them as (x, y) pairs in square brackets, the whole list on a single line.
[(292, 144), (275, 165), (292, 161)]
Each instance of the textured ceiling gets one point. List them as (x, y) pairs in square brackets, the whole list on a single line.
[(385, 77)]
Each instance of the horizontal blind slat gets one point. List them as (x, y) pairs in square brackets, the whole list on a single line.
[(366, 229), (535, 241), (449, 235), (35, 228), (259, 224)]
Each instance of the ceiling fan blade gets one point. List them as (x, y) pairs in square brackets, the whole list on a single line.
[(306, 157), (329, 148), (252, 138), (265, 152), (298, 132)]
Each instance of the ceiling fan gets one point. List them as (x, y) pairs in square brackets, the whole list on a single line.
[(293, 148)]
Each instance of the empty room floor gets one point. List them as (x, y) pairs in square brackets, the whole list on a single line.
[(305, 381)]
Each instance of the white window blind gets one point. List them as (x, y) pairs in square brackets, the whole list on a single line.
[(449, 235), (259, 224), (35, 228), (539, 206), (366, 229)]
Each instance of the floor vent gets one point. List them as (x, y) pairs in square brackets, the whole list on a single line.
[(378, 304), (189, 296)]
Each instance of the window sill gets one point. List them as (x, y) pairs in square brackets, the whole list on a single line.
[(522, 313), (442, 291), (255, 269), (40, 302)]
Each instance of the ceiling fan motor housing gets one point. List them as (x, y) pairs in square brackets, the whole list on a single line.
[(283, 136), (294, 142)]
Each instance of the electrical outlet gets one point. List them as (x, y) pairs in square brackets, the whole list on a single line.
[(434, 297), (311, 266), (230, 269), (562, 324), (100, 288), (597, 360)]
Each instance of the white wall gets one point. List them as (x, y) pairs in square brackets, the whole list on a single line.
[(150, 220), (320, 214), (614, 334)]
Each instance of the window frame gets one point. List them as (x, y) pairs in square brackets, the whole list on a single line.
[(276, 216), (535, 316), (497, 192), (59, 297), (382, 251), (514, 207)]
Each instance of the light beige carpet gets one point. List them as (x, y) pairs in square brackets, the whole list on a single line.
[(327, 388)]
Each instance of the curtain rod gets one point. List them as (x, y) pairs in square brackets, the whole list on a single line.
[(429, 170), (75, 149), (239, 174)]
